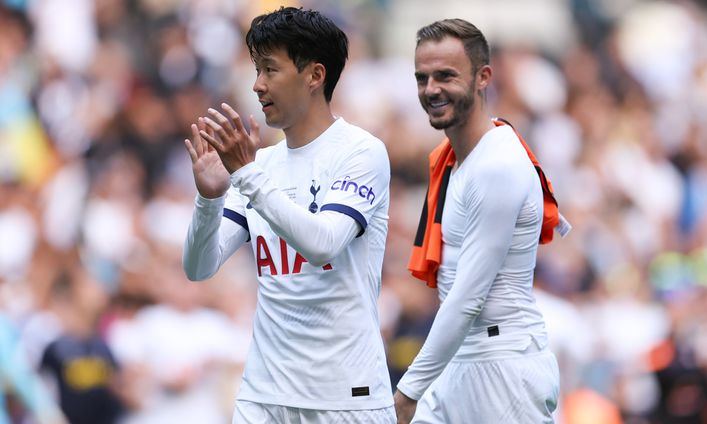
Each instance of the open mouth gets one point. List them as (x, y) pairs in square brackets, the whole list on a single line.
[(436, 104), (265, 104)]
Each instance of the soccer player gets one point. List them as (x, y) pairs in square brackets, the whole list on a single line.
[(315, 209), (485, 359)]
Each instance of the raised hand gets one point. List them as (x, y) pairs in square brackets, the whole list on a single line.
[(210, 176), (232, 142)]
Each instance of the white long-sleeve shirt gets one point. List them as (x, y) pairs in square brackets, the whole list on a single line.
[(316, 218), (490, 230)]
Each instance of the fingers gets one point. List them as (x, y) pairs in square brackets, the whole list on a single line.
[(217, 128), (197, 143), (234, 117), (254, 130), (222, 121), (210, 132), (190, 148), (207, 128), (217, 131), (208, 135)]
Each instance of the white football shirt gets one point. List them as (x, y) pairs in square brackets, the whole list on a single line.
[(316, 338), (491, 225)]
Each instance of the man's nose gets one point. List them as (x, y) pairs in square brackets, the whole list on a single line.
[(432, 87), (259, 85)]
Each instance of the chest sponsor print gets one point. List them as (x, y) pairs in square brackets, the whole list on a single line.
[(264, 258)]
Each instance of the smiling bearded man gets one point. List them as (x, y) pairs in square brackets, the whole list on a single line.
[(488, 206)]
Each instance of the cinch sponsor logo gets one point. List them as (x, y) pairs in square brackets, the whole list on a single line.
[(347, 185)]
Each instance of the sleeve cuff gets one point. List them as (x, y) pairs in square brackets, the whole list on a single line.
[(407, 391), (210, 204), (243, 173)]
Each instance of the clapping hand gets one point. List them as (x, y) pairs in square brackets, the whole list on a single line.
[(210, 176), (231, 141)]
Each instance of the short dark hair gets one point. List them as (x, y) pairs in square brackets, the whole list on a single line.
[(475, 45), (307, 35)]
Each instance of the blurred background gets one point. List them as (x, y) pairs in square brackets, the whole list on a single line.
[(98, 323)]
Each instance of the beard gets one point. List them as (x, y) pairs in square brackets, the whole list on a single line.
[(460, 112)]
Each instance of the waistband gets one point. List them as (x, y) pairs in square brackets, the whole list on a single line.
[(501, 346)]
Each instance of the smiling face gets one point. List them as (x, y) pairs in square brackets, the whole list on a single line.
[(445, 82), (283, 91)]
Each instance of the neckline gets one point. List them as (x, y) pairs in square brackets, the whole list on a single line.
[(332, 129)]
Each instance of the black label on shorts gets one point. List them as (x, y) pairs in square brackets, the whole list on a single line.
[(360, 391), (493, 331)]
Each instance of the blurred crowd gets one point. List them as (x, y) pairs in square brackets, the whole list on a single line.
[(98, 323)]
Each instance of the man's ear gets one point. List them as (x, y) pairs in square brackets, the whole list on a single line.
[(484, 77), (317, 75)]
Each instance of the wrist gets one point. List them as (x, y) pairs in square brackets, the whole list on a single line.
[(406, 394), (209, 195), (235, 167), (211, 203), (244, 172)]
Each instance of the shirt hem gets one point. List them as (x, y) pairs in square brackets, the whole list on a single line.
[(375, 403)]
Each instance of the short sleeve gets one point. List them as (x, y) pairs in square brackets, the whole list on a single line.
[(360, 183)]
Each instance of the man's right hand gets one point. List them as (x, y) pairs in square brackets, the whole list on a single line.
[(211, 178)]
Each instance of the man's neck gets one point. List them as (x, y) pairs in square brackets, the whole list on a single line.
[(317, 120), (465, 138), (78, 323)]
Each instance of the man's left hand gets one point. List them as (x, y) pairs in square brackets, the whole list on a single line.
[(234, 145)]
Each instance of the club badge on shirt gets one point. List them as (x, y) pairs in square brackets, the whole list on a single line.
[(313, 207)]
